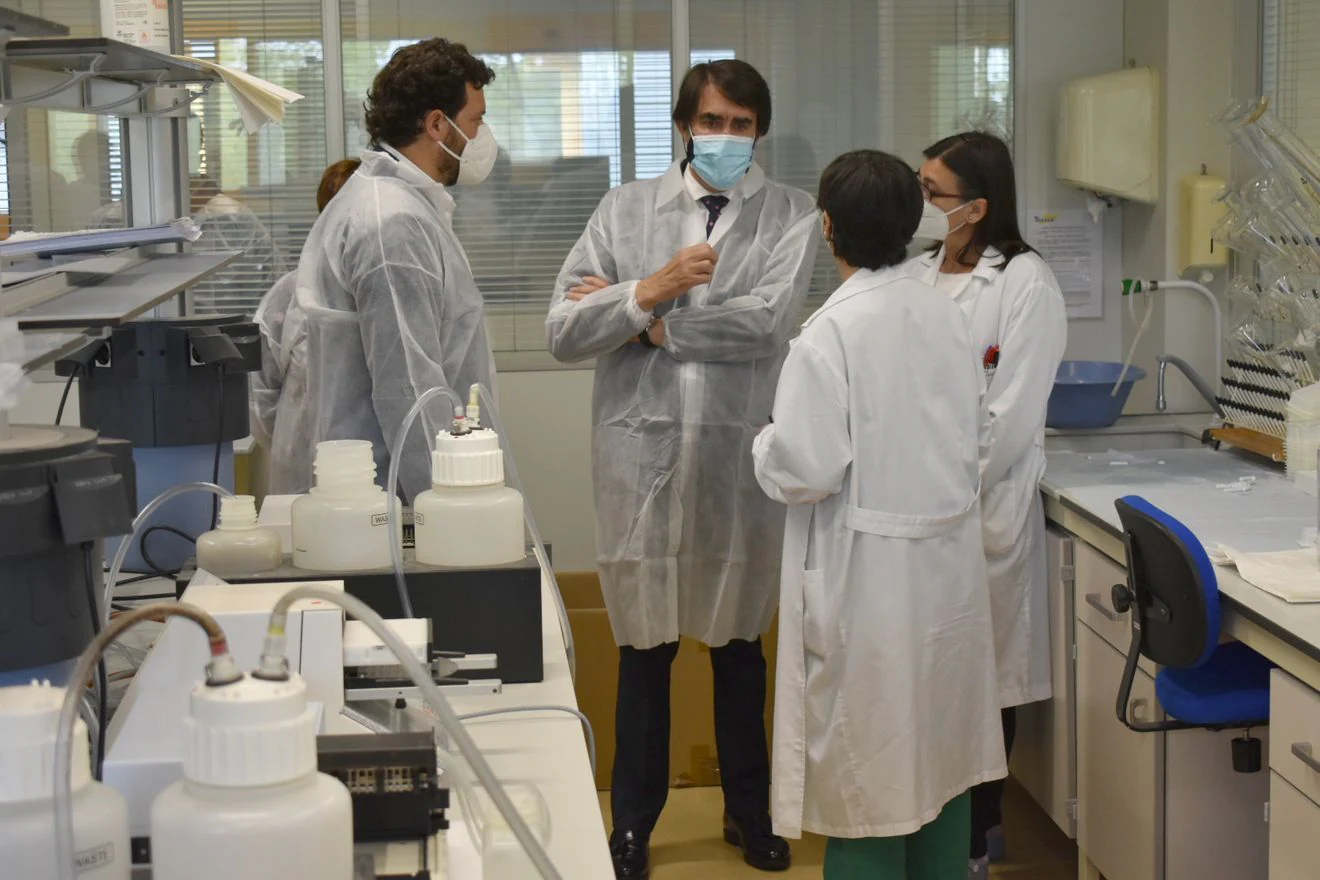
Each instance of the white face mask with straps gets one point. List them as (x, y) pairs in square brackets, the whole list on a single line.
[(934, 225), (478, 156)]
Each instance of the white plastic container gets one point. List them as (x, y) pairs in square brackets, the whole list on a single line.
[(28, 715), (1302, 442), (251, 803), (239, 545), (469, 517), (343, 524)]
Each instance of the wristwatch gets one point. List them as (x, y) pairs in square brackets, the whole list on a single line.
[(645, 336)]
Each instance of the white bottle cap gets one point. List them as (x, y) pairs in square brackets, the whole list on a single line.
[(28, 717), (250, 733), (467, 460), (238, 512)]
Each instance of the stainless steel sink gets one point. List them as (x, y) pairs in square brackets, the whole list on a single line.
[(1123, 439)]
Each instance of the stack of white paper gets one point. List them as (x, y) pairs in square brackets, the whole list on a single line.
[(258, 101), (1292, 575)]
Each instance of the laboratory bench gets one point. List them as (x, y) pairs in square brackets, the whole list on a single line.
[(1169, 806)]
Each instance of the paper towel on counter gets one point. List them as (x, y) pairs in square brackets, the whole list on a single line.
[(1291, 575)]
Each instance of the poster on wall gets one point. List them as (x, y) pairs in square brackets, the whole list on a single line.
[(1073, 245), (144, 23)]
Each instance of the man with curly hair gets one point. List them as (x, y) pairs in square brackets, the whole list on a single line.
[(386, 307)]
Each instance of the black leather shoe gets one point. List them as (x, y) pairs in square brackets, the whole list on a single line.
[(631, 856), (762, 849)]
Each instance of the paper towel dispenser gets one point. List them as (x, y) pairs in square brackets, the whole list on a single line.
[(1109, 134)]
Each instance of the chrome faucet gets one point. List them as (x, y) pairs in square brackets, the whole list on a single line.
[(1201, 386)]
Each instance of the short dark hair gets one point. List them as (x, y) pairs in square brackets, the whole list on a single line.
[(737, 80), (333, 180), (984, 168), (873, 201), (430, 75)]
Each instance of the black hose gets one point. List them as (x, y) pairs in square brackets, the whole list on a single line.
[(219, 444), (102, 679), (64, 398), (155, 569)]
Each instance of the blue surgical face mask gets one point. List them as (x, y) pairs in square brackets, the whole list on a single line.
[(722, 159)]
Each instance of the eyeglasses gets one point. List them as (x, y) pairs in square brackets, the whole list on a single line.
[(932, 193)]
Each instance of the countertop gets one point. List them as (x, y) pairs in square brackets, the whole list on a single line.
[(1187, 483)]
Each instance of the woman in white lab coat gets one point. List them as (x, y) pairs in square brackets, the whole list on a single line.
[(1019, 328), (885, 712)]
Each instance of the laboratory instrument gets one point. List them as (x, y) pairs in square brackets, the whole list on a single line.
[(469, 518), (28, 717), (177, 390), (251, 802), (394, 780), (238, 545), (61, 494), (343, 523), (344, 668)]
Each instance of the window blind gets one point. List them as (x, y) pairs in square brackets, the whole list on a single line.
[(896, 75), (1290, 65), (255, 193)]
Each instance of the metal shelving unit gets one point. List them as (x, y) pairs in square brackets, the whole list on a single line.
[(95, 75)]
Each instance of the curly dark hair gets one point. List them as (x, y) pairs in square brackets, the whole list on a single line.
[(426, 76), (873, 201)]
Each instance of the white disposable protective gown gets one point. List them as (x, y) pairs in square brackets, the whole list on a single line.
[(266, 385), (385, 309), (684, 536), (1020, 310), (884, 701)]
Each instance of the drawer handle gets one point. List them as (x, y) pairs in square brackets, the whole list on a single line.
[(1304, 753), (1094, 600)]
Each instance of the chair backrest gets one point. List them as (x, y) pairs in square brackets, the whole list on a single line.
[(1173, 581)]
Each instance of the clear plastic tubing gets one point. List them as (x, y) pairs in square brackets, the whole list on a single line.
[(274, 651), (112, 577), (392, 485), (488, 407)]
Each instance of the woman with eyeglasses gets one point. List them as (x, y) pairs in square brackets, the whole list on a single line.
[(1015, 312)]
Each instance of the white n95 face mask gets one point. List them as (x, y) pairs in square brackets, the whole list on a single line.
[(478, 156), (934, 225)]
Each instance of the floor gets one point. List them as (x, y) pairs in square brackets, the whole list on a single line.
[(687, 844)]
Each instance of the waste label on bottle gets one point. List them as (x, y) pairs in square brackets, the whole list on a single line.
[(95, 858), (380, 519), (419, 519)]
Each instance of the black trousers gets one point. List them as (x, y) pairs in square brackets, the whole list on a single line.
[(988, 798), (641, 759)]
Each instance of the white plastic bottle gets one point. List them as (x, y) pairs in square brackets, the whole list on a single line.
[(251, 803), (238, 545), (343, 524), (28, 715), (469, 517)]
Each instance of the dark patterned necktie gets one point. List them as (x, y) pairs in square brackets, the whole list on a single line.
[(714, 205)]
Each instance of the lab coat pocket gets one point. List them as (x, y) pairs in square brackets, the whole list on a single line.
[(815, 615)]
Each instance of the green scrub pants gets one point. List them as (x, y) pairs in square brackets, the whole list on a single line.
[(937, 851)]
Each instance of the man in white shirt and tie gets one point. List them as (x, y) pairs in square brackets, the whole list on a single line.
[(686, 289)]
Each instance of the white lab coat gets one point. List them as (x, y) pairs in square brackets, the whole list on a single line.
[(1021, 310), (884, 705)]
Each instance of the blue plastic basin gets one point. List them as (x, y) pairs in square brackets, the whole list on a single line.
[(1083, 394)]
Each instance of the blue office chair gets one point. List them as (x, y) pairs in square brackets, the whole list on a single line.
[(1174, 597)]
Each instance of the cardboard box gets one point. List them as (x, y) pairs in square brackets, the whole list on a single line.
[(692, 759)]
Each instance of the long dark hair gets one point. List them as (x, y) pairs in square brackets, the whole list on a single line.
[(984, 168)]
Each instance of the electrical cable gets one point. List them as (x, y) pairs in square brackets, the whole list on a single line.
[(219, 444), (64, 398), (567, 710), (136, 579), (102, 679), (158, 571)]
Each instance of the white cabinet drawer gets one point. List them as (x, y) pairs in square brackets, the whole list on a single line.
[(1295, 734), (1294, 833), (1120, 774)]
